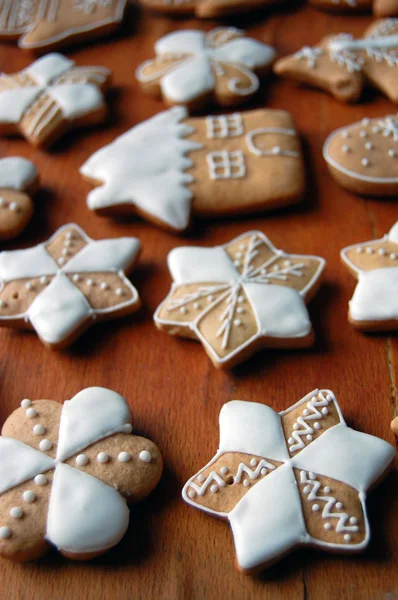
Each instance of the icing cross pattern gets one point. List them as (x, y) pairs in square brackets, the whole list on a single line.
[(284, 495)]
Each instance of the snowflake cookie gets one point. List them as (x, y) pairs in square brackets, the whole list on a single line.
[(363, 157), (67, 474), (290, 479), (241, 297), (195, 68), (374, 305), (171, 166), (50, 97), (61, 287), (18, 180), (206, 8), (342, 65), (49, 24)]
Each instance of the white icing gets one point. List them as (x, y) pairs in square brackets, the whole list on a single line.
[(124, 457), (393, 233), (145, 456), (81, 460), (376, 295), (29, 496), (275, 150), (226, 165), (17, 173), (224, 126), (16, 512), (26, 403), (145, 167), (19, 463), (341, 44), (105, 255), (40, 479), (5, 533)]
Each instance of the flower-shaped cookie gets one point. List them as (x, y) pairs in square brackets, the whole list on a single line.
[(61, 287), (51, 96), (342, 65), (374, 305), (206, 8), (289, 479), (18, 179), (194, 68), (67, 473), (241, 297)]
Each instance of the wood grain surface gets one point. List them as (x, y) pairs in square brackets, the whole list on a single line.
[(172, 551)]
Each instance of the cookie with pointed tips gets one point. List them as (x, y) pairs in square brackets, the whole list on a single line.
[(290, 479), (61, 287), (18, 181), (69, 473), (238, 298)]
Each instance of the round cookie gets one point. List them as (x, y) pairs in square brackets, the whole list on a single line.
[(18, 180), (60, 459)]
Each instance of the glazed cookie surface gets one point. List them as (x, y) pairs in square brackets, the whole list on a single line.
[(290, 479), (241, 297), (61, 287), (68, 473), (18, 179)]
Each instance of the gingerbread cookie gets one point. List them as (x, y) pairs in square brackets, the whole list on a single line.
[(18, 180), (206, 8), (50, 97), (17, 16), (374, 305), (61, 287), (171, 166), (241, 297), (67, 474), (385, 8), (194, 68), (342, 65), (363, 158), (290, 479)]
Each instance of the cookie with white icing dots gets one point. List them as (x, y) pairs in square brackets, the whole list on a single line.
[(69, 473), (18, 181), (50, 97), (172, 166), (342, 65), (206, 8), (241, 297), (61, 287), (194, 68), (374, 305), (290, 479)]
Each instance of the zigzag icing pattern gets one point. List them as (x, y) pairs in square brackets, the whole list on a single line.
[(243, 468), (310, 413)]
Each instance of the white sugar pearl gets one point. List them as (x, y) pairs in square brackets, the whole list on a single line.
[(290, 441), (315, 507), (296, 426), (29, 285), (196, 305), (16, 512), (104, 285), (365, 162), (327, 526), (237, 322), (45, 445), (327, 489), (14, 206), (368, 146), (69, 235), (67, 243), (183, 310), (43, 280), (191, 494), (201, 478), (317, 425), (119, 292), (365, 121), (26, 403), (353, 520), (339, 505), (345, 148), (64, 252), (238, 255), (246, 483), (124, 457), (381, 251), (102, 457), (391, 153), (31, 413), (309, 437), (237, 263), (241, 299), (263, 471), (324, 411), (253, 462), (306, 412), (312, 475), (90, 282), (214, 488), (369, 250), (224, 470), (40, 479), (393, 256), (5, 533), (359, 250), (81, 460), (363, 134), (61, 261), (127, 428), (3, 304), (145, 456), (29, 496), (347, 537), (307, 489), (39, 429), (76, 278)]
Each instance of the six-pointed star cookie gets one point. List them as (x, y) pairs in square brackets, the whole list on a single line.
[(241, 297), (374, 305), (289, 479), (342, 65), (68, 471), (51, 96), (206, 8), (195, 68), (61, 287), (171, 165), (18, 178)]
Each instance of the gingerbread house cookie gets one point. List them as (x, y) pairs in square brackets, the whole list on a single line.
[(290, 479), (241, 297), (61, 287), (172, 166), (195, 69), (50, 97), (68, 473), (18, 180), (374, 305)]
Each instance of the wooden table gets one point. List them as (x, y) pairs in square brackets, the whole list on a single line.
[(172, 551)]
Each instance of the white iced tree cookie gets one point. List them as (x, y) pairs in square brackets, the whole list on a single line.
[(374, 305), (67, 474), (194, 68), (61, 287), (290, 479), (241, 297), (18, 181)]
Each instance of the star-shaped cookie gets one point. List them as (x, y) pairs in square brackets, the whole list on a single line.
[(342, 65), (50, 97), (206, 8), (374, 305), (18, 180), (194, 68), (61, 287), (67, 474), (241, 297), (290, 479)]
